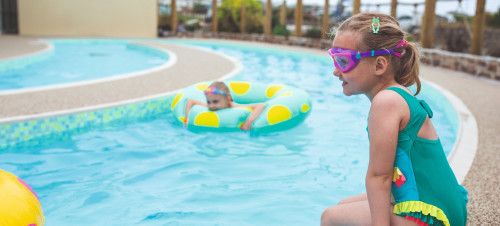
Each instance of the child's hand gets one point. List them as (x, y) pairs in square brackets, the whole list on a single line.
[(257, 110), (185, 123), (246, 126)]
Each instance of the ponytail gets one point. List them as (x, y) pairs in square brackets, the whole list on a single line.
[(409, 68)]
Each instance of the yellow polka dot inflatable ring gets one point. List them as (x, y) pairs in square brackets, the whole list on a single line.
[(286, 107), (19, 204)]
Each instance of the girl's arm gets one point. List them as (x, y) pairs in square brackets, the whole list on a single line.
[(257, 110), (189, 105), (383, 126)]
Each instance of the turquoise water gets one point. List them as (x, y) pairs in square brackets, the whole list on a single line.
[(153, 172), (75, 61)]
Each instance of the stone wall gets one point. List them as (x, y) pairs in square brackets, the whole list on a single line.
[(458, 38), (482, 66)]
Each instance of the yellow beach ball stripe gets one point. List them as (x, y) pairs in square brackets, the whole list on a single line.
[(176, 100), (239, 88), (208, 118), (272, 90), (278, 113)]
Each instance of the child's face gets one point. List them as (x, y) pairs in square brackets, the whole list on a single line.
[(359, 79), (217, 101)]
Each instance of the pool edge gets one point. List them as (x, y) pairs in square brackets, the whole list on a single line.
[(466, 144)]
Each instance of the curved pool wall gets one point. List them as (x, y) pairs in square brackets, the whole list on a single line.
[(17, 63), (87, 53), (39, 132)]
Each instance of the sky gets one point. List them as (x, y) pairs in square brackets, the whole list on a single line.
[(442, 6)]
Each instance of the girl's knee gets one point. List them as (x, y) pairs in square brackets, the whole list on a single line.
[(344, 201), (328, 216)]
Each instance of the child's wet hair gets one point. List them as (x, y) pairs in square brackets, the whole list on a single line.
[(223, 87), (220, 85), (390, 34)]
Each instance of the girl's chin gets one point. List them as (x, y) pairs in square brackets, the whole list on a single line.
[(346, 91), (349, 92)]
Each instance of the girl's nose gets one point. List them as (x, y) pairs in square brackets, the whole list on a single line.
[(336, 72)]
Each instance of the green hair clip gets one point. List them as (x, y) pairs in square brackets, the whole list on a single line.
[(375, 21)]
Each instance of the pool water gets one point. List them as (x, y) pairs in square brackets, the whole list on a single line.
[(99, 58), (154, 172)]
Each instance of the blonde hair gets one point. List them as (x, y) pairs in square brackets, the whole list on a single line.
[(390, 34)]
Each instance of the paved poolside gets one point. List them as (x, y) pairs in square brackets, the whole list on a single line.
[(107, 92), (481, 96)]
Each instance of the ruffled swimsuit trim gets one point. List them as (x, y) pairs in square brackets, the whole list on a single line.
[(427, 213)]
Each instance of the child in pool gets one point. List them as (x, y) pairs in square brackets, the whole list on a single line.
[(409, 180), (218, 97)]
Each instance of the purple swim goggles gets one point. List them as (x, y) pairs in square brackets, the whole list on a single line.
[(346, 59)]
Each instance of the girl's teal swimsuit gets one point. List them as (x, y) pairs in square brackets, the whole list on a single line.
[(424, 187)]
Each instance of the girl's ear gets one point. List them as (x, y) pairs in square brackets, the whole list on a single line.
[(229, 97), (381, 65)]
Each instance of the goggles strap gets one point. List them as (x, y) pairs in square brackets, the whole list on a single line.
[(214, 90), (391, 50), (403, 42)]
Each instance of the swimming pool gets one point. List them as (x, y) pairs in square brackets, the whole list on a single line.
[(150, 171), (79, 60)]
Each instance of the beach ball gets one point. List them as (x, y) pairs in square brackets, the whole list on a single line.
[(19, 205)]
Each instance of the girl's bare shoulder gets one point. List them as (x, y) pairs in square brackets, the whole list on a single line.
[(388, 99), (389, 105)]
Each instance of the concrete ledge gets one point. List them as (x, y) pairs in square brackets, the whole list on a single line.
[(17, 46)]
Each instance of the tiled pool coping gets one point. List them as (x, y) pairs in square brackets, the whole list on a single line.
[(22, 61), (38, 131)]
